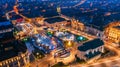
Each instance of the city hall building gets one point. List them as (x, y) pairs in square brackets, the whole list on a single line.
[(90, 49)]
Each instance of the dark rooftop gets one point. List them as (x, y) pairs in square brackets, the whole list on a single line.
[(5, 25), (56, 19), (91, 45), (6, 37), (6, 31), (2, 19), (118, 27), (96, 27), (11, 49)]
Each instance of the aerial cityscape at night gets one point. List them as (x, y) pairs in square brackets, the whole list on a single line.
[(59, 33)]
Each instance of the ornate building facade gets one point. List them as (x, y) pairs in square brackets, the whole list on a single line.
[(77, 25), (13, 54), (90, 49), (112, 32), (18, 61)]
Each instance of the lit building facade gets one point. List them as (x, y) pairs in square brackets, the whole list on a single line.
[(39, 21), (113, 34), (24, 29), (77, 25), (18, 61), (93, 31), (59, 10), (13, 54), (90, 49)]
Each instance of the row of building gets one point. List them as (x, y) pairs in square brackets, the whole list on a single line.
[(111, 31), (13, 53)]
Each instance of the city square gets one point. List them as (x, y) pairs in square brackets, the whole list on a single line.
[(55, 39)]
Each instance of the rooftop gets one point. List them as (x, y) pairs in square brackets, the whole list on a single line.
[(11, 49), (5, 25), (91, 45), (54, 20), (6, 37), (6, 29)]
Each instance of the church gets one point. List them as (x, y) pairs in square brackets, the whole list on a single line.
[(90, 49)]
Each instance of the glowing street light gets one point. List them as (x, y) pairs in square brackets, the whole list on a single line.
[(38, 40), (35, 30), (25, 39), (37, 53), (81, 38), (68, 44)]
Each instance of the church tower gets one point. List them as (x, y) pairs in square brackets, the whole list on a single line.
[(59, 10)]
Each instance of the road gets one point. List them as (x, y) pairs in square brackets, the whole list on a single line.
[(29, 47), (108, 63), (43, 62)]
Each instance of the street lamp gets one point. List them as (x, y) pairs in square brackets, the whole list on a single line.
[(68, 44), (37, 53)]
